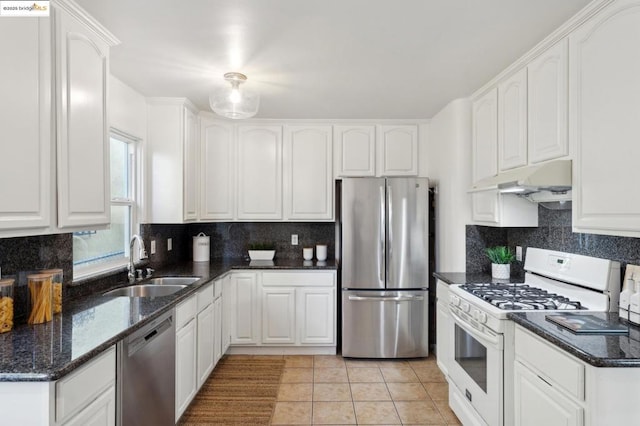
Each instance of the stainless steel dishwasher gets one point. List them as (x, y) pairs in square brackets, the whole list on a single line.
[(146, 375)]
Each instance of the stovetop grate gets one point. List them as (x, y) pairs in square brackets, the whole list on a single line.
[(520, 296)]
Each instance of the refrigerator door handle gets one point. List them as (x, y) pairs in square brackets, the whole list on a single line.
[(381, 238), (386, 298)]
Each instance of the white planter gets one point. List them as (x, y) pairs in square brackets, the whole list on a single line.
[(262, 254), (501, 271)]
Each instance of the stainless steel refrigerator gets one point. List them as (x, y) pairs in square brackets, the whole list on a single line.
[(385, 270)]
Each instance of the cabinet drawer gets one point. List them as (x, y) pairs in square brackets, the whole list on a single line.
[(205, 297), (79, 388), (551, 363), (314, 279), (186, 311)]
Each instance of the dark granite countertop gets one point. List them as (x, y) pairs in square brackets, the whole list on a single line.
[(597, 350), (474, 277), (89, 325)]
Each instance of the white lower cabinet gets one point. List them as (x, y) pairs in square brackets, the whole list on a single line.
[(206, 348), (443, 318), (278, 315), (316, 315), (227, 313), (295, 309), (539, 403), (244, 313), (101, 412), (186, 383)]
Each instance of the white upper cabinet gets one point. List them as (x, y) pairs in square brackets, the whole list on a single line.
[(547, 77), (54, 120), (308, 180), (25, 126), (512, 121), (259, 172), (355, 150), (491, 208), (604, 87), (485, 136), (82, 74), (218, 170), (191, 163), (398, 150), (172, 160)]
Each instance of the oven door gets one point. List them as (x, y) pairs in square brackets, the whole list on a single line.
[(477, 368)]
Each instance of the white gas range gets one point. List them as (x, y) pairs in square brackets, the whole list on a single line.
[(482, 338)]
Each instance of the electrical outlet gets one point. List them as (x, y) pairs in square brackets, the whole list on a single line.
[(153, 246), (294, 239), (169, 244), (519, 253)]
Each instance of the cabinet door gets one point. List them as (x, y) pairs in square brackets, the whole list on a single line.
[(206, 349), (538, 403), (278, 315), (82, 73), (355, 150), (228, 312), (604, 90), (308, 173), (217, 331), (186, 383), (218, 171), (547, 77), (101, 412), (316, 315), (25, 124), (260, 172), (484, 139), (398, 150), (484, 207), (244, 309), (512, 121), (191, 166)]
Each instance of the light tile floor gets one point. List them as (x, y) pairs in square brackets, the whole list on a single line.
[(331, 390)]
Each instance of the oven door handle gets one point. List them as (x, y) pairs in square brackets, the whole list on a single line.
[(491, 338)]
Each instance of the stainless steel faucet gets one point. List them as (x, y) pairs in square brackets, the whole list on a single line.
[(143, 255)]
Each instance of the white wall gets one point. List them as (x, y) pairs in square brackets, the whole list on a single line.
[(127, 109), (449, 165)]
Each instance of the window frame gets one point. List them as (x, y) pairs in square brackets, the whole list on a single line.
[(133, 202)]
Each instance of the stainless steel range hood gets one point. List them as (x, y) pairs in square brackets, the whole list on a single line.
[(554, 176)]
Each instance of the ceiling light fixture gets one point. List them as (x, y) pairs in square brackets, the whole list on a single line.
[(233, 101)]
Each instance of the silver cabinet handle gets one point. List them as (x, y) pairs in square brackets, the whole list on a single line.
[(386, 298), (381, 237)]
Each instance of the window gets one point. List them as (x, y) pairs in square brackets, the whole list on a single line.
[(100, 251)]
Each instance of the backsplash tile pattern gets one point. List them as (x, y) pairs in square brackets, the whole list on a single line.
[(554, 232), (181, 243), (230, 240)]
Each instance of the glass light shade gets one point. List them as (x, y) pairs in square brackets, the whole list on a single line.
[(234, 101)]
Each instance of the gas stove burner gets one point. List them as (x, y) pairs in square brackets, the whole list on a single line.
[(520, 296)]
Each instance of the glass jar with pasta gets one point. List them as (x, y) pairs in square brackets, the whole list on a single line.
[(56, 280), (6, 305), (40, 291)]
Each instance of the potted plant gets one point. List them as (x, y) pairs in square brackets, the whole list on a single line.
[(501, 258), (262, 251)]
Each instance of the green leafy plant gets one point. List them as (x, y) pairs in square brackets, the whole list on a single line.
[(500, 254), (262, 246)]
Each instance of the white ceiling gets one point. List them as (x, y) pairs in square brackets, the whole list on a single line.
[(327, 59)]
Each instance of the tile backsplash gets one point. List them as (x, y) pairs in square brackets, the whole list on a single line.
[(231, 239), (554, 233)]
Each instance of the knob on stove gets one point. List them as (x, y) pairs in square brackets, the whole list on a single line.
[(482, 317), (455, 300), (465, 306)]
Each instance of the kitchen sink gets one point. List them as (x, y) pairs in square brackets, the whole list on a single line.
[(164, 281), (146, 290)]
